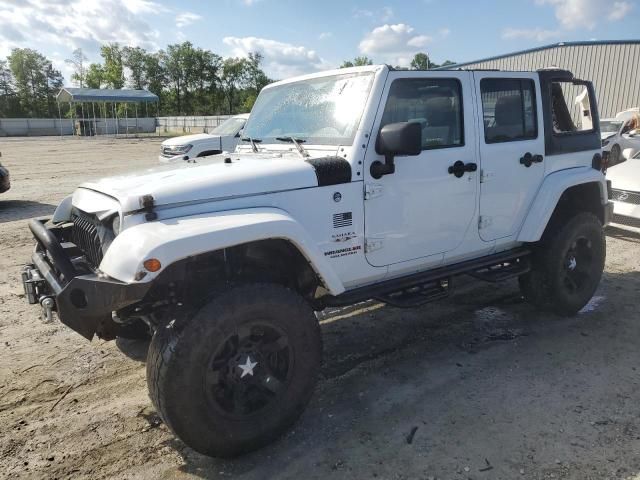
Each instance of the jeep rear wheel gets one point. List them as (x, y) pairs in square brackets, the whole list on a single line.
[(238, 373), (567, 266)]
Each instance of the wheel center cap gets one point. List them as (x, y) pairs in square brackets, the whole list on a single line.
[(247, 367), (572, 263)]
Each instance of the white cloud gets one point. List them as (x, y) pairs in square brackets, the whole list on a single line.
[(186, 18), (281, 60), (619, 10), (574, 14), (444, 32), (77, 23), (383, 15), (325, 35), (537, 34), (394, 44)]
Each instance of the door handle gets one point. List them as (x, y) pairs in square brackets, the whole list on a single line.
[(459, 168), (527, 159)]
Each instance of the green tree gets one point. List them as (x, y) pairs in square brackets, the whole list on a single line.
[(135, 59), (36, 81), (156, 73), (234, 78), (113, 65), (357, 62), (94, 77), (78, 61), (421, 62), (8, 104)]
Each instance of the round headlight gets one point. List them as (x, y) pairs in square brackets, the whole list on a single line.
[(115, 224)]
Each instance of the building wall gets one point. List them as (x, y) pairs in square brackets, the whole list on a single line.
[(614, 69)]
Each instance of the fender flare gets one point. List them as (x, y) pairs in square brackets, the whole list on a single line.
[(174, 239), (549, 193), (62, 213)]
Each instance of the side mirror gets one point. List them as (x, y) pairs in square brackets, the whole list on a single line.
[(396, 139)]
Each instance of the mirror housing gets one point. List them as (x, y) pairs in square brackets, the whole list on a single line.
[(396, 139)]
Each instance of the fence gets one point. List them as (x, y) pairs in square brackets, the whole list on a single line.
[(190, 124), (25, 127)]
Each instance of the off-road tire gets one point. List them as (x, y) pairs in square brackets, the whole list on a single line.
[(179, 363), (615, 156), (551, 284)]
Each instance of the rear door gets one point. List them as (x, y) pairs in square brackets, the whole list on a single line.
[(511, 149)]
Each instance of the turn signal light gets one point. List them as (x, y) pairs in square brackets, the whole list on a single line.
[(152, 265)]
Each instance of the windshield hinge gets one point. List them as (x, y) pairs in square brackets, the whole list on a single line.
[(372, 190), (372, 244)]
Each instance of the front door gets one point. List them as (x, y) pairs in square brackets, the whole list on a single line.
[(423, 208), (511, 149)]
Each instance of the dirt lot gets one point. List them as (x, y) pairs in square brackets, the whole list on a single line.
[(476, 387)]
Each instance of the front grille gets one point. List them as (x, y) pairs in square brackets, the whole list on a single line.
[(624, 220), (84, 234), (625, 197)]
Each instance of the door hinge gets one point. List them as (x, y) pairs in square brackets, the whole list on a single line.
[(372, 190), (484, 176), (484, 222), (372, 244)]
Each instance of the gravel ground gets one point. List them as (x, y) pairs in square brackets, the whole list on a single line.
[(479, 386)]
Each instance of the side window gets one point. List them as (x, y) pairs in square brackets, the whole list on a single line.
[(508, 109), (434, 103), (570, 108)]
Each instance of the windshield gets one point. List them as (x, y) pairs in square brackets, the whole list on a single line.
[(321, 111), (229, 127), (610, 126)]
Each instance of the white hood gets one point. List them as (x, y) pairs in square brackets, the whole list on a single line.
[(209, 178), (626, 175), (192, 139)]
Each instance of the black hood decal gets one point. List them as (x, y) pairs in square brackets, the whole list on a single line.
[(331, 170)]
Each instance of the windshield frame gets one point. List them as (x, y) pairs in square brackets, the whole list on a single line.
[(267, 100)]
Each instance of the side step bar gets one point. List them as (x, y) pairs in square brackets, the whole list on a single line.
[(384, 289)]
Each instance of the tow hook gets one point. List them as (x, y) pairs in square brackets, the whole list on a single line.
[(47, 304)]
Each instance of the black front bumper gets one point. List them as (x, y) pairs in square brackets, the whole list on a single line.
[(82, 301)]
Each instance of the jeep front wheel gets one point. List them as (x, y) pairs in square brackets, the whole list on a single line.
[(567, 266), (238, 373)]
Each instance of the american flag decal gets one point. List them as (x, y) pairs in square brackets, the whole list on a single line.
[(342, 220)]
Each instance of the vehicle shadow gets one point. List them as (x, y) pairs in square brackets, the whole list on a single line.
[(134, 349), (623, 234), (371, 345), (13, 210), (467, 343)]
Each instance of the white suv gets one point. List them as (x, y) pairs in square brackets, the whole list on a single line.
[(353, 184), (223, 138)]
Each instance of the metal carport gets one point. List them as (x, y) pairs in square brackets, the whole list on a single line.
[(89, 97)]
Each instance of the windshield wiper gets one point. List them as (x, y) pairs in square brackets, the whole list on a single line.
[(297, 142), (253, 142)]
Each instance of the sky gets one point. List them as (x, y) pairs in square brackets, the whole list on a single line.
[(297, 37)]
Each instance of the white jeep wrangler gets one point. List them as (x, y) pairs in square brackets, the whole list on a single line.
[(352, 184)]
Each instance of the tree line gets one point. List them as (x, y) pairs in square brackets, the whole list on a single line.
[(420, 61), (188, 80)]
